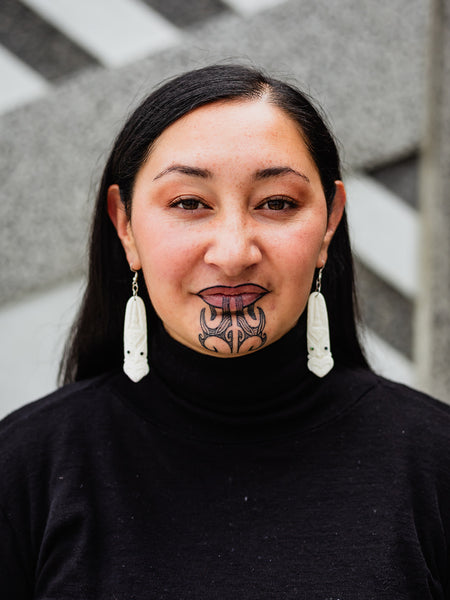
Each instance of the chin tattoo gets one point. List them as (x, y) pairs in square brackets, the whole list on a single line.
[(232, 332)]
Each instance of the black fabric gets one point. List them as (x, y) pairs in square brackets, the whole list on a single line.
[(227, 478)]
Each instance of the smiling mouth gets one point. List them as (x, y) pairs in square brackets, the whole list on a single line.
[(232, 297)]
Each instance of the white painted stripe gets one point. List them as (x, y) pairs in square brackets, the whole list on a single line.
[(387, 361), (251, 7), (33, 334), (116, 32), (384, 232), (19, 83)]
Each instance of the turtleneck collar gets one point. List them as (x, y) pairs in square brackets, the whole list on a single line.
[(240, 386), (265, 394)]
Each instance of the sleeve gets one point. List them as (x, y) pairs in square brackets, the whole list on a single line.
[(14, 583)]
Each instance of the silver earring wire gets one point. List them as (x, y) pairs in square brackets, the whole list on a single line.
[(319, 280), (134, 283)]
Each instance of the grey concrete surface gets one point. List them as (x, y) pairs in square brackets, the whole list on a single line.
[(401, 177), (33, 335), (363, 61), (186, 14), (385, 310), (433, 305)]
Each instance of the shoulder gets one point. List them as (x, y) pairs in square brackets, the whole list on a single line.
[(389, 397), (399, 434), (399, 420), (391, 413), (53, 416), (57, 434), (410, 404), (61, 400)]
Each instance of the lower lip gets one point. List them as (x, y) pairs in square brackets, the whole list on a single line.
[(234, 301)]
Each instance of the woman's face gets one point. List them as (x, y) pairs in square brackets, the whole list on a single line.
[(228, 223)]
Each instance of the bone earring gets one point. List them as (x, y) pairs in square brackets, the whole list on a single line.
[(320, 361), (135, 363)]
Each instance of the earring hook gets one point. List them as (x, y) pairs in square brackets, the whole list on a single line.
[(319, 279)]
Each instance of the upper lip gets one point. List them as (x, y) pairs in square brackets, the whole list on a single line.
[(249, 292)]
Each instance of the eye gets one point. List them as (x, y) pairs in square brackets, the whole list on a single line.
[(189, 204), (277, 204)]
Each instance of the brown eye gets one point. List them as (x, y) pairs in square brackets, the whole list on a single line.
[(278, 204), (188, 203)]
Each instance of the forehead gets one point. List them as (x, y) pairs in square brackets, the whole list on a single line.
[(233, 128)]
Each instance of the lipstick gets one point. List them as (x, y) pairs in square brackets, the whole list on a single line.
[(237, 297)]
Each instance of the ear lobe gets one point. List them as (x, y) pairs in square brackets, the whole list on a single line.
[(120, 220), (334, 218)]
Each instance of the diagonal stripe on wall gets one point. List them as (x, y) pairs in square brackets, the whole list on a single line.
[(116, 32)]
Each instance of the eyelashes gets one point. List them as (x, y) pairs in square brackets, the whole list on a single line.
[(189, 204), (278, 203)]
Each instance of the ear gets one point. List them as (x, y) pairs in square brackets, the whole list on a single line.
[(117, 214), (334, 218)]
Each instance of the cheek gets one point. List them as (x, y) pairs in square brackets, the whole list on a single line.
[(167, 258), (297, 260), (299, 252)]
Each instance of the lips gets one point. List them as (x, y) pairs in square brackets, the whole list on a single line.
[(234, 297)]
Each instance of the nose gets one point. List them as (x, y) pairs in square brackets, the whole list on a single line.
[(233, 246)]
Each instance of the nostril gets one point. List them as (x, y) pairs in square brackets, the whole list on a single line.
[(233, 256)]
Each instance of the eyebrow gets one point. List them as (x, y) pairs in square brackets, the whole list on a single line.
[(185, 170), (277, 171), (206, 174)]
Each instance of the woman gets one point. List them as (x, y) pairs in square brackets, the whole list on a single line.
[(235, 461)]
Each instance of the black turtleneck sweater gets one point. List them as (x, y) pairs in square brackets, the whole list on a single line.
[(227, 478)]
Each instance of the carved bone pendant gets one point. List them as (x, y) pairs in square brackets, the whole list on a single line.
[(320, 361), (135, 363)]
